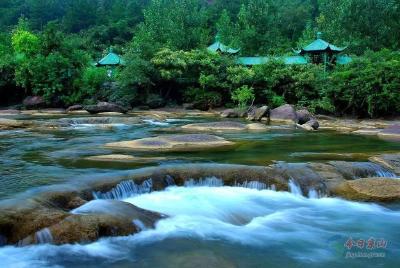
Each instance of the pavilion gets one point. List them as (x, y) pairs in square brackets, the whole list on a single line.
[(218, 47), (317, 52)]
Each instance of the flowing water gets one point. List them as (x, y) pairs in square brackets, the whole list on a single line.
[(209, 224)]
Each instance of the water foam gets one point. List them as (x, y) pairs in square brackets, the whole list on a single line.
[(287, 226)]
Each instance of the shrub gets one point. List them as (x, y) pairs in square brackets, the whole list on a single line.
[(243, 96)]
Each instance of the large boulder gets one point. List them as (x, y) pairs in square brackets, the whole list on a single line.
[(257, 113), (103, 107), (284, 113), (233, 113), (371, 189), (34, 102), (303, 116), (186, 142)]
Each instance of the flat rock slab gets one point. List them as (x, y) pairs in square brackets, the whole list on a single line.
[(123, 158), (224, 126), (391, 132), (216, 126), (371, 189), (186, 142)]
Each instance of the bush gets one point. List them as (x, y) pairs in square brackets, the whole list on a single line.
[(243, 96)]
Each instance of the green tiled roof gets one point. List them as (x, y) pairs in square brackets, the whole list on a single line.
[(219, 47), (111, 59), (320, 45), (249, 61)]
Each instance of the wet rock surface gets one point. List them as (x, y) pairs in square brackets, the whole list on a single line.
[(371, 189), (102, 107), (256, 114), (123, 158), (216, 126), (285, 113), (173, 143), (51, 207)]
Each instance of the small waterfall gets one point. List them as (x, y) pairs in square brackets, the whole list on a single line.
[(314, 194), (210, 182), (169, 180), (382, 172), (294, 188), (126, 189), (139, 224), (252, 185), (44, 236)]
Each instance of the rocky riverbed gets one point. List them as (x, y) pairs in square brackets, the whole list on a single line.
[(70, 177)]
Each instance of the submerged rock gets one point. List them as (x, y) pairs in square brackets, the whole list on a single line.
[(185, 142), (123, 158), (371, 189), (285, 113), (102, 107)]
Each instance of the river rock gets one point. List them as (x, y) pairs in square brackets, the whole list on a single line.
[(257, 127), (9, 112), (389, 161), (17, 223), (233, 113), (371, 189), (12, 123), (102, 107), (216, 126), (303, 116), (256, 114), (123, 158), (392, 131), (310, 125), (119, 209), (34, 102), (285, 113), (185, 142), (76, 107)]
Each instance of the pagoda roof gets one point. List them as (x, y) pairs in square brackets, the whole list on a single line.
[(111, 59), (320, 45), (219, 47)]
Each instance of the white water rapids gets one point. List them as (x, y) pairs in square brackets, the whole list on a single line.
[(231, 227)]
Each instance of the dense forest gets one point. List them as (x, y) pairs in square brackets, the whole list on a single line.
[(48, 47)]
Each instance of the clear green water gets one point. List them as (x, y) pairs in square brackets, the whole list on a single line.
[(207, 227), (42, 157)]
